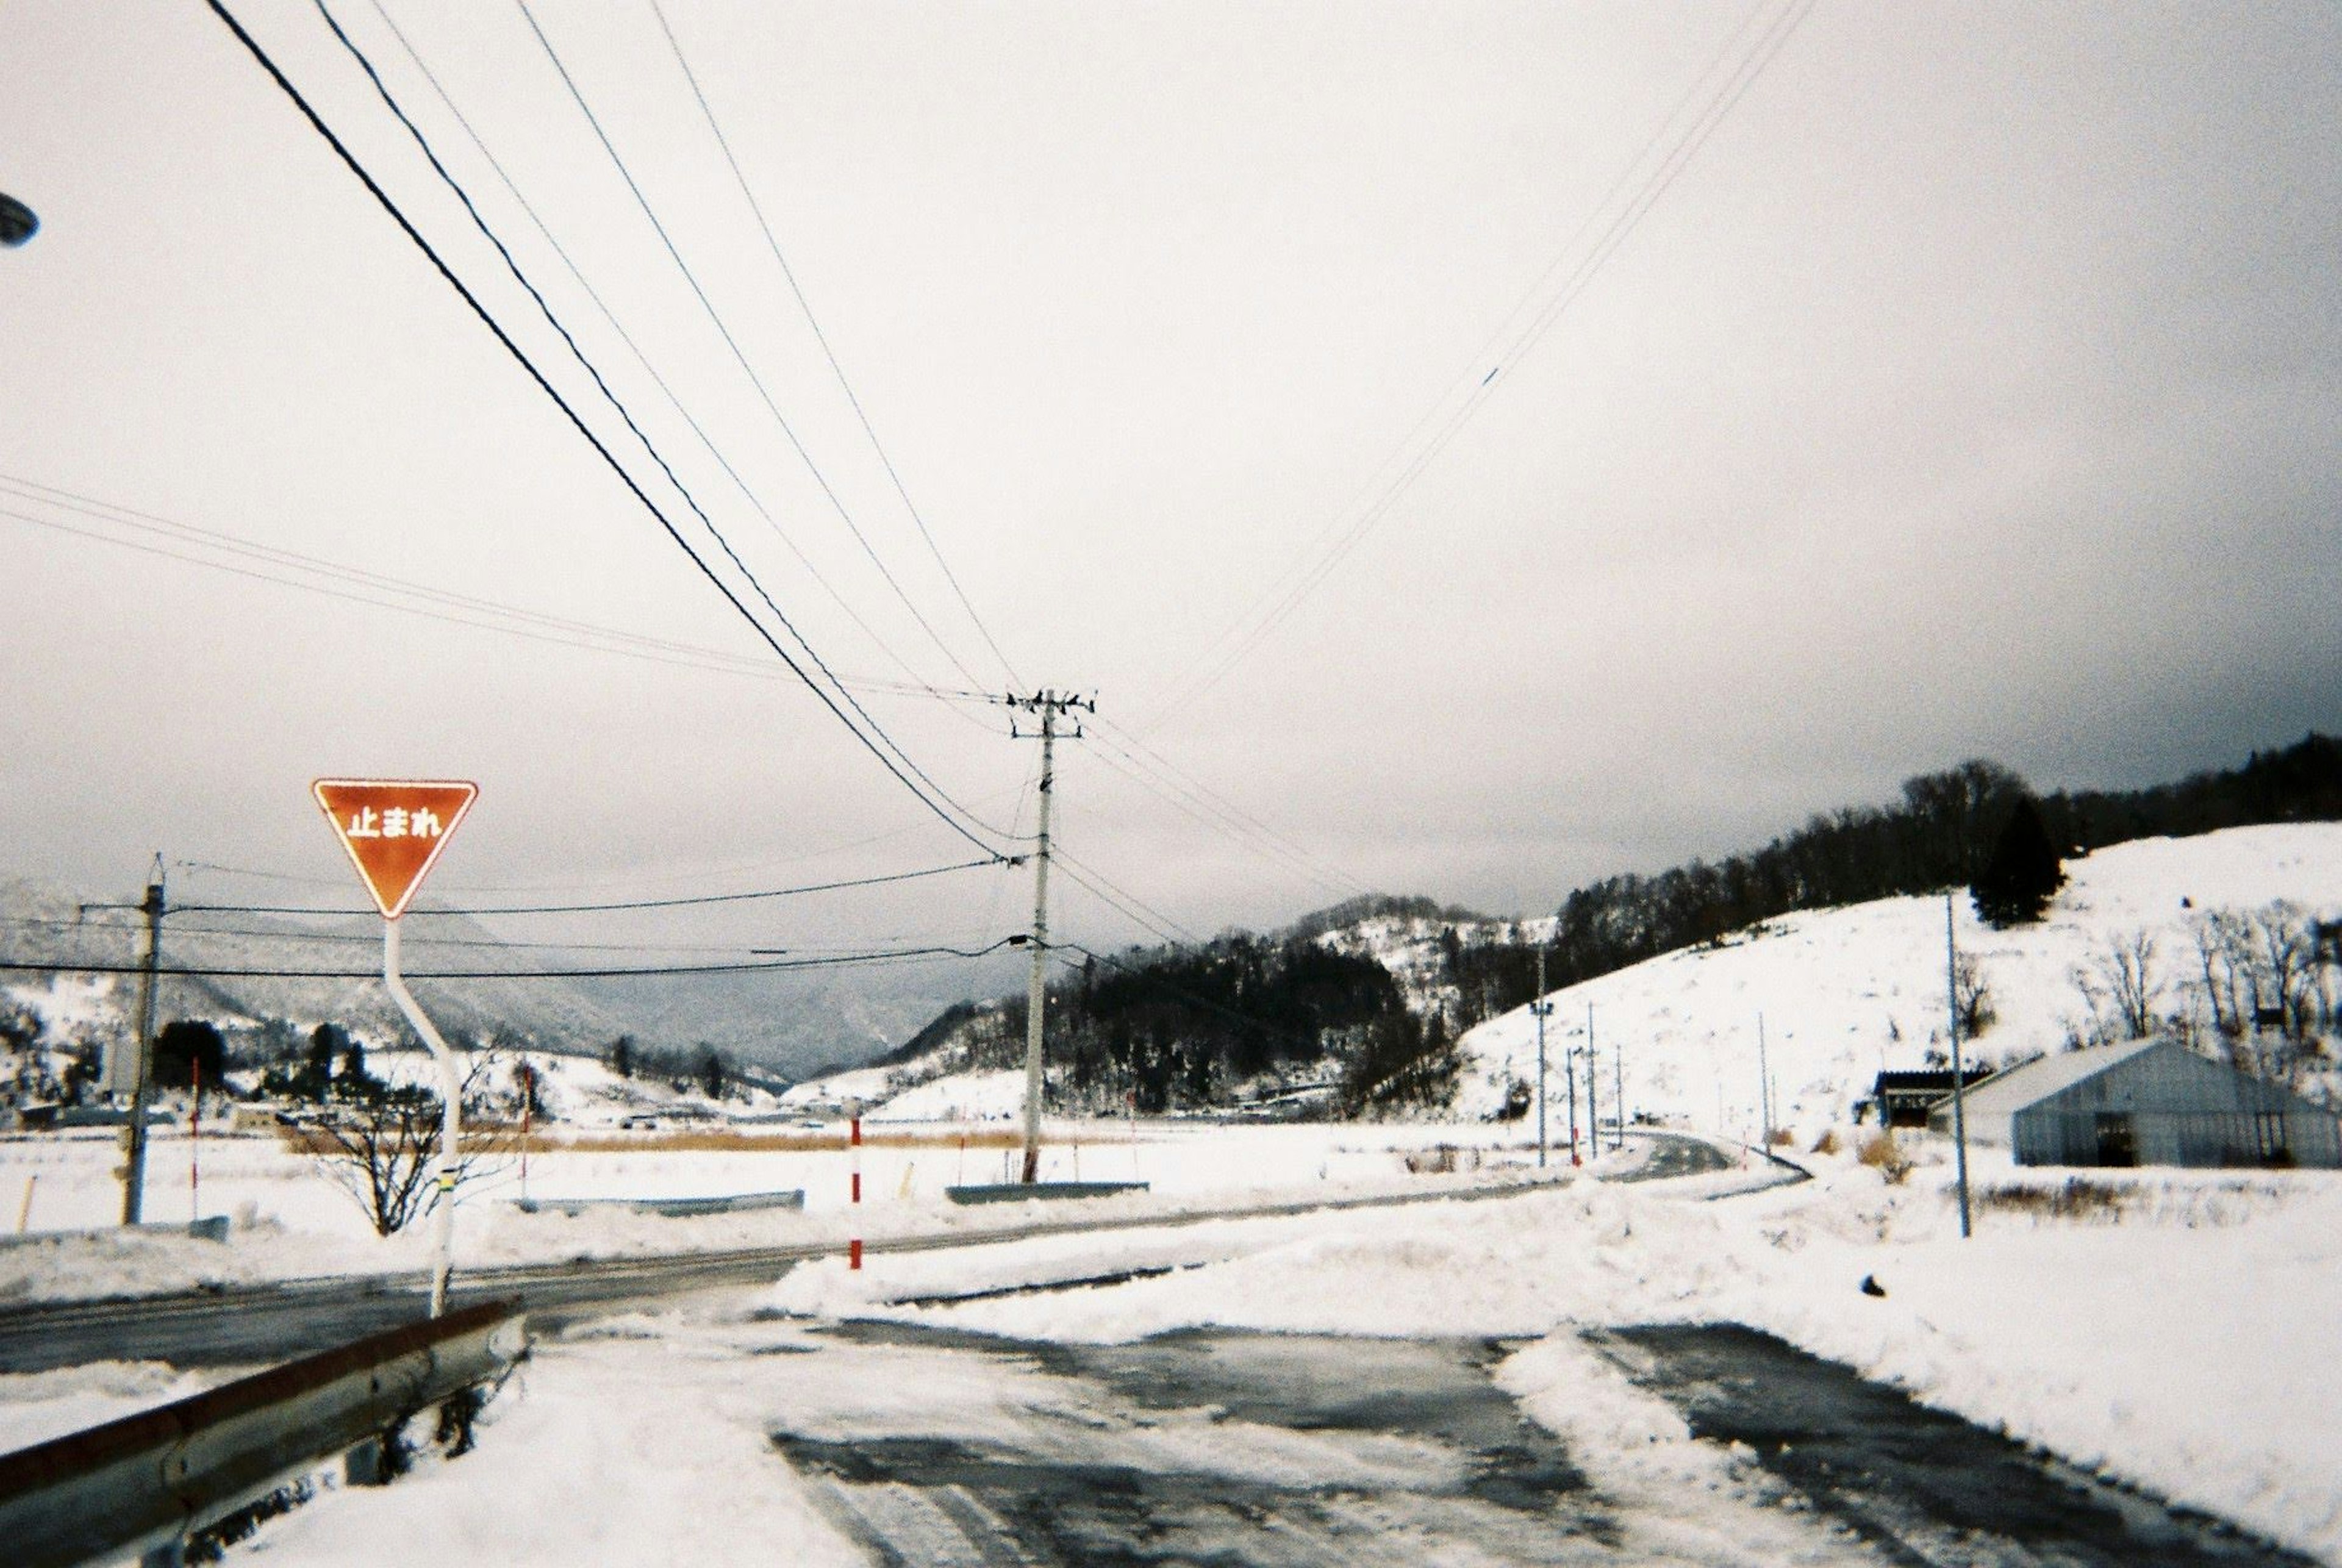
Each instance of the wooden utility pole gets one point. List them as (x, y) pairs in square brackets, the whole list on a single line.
[(134, 1137), (1959, 1084), (1541, 1007)]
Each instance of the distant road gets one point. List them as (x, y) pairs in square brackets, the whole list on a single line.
[(244, 1326)]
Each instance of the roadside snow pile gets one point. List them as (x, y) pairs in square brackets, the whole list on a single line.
[(1846, 994), (37, 1406), (960, 1097), (2180, 1335)]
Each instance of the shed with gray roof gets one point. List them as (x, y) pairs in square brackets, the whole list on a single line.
[(2149, 1102)]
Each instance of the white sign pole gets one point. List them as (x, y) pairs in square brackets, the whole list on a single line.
[(451, 1092)]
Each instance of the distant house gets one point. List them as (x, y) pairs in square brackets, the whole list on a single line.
[(2149, 1102), (1904, 1099)]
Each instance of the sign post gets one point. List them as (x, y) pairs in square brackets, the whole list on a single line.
[(393, 830)]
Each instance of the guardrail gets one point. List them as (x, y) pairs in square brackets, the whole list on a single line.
[(674, 1208), (145, 1482)]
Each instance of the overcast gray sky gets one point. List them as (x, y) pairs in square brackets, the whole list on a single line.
[(1971, 387)]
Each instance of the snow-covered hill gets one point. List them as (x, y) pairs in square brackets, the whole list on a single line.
[(1846, 992)]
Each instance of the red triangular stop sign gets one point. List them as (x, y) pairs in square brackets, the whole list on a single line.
[(394, 829)]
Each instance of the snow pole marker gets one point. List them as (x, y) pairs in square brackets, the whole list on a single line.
[(853, 1144), (195, 1140)]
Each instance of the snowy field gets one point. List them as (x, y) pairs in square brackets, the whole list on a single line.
[(288, 1219), (2178, 1333)]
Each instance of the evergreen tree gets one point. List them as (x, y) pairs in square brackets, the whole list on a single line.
[(186, 1044), (2022, 873)]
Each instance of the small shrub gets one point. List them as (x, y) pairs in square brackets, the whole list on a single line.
[(1828, 1143), (1883, 1154), (2077, 1198), (1441, 1159), (1784, 1139)]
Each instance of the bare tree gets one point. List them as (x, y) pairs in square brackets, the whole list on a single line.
[(2126, 968), (1972, 996), (377, 1142)]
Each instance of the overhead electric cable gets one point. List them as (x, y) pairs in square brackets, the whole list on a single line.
[(789, 275), (390, 101), (694, 901), (1129, 904), (836, 502), (528, 209), (1258, 622), (284, 85), (1193, 800), (198, 971)]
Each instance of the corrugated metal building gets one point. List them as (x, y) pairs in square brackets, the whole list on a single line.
[(2149, 1102)]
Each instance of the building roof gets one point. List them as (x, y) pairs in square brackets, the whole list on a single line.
[(2008, 1093)]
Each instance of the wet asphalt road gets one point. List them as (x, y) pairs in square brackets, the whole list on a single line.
[(1922, 1487), (1245, 1450)]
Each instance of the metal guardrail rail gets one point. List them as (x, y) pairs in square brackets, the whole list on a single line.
[(147, 1481)]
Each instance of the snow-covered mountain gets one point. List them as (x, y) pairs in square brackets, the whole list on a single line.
[(1844, 994), (794, 1022)]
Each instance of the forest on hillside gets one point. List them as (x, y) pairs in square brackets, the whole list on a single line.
[(1186, 1027)]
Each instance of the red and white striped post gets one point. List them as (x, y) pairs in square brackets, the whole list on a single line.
[(854, 1144), (195, 1140)]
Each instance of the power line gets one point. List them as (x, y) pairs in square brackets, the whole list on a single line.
[(1148, 977), (1280, 604), (1129, 904), (383, 90), (196, 972), (350, 160), (181, 933), (627, 338), (465, 609), (789, 273), (692, 901), (713, 315), (1198, 801)]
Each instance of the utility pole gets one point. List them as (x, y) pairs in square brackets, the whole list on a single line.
[(1593, 1064), (1763, 1085), (133, 1137), (1569, 1081), (1959, 1085), (1618, 1089), (1047, 705), (1541, 1007)]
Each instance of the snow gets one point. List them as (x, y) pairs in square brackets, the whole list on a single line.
[(2189, 1347), (2180, 1335), (1844, 994)]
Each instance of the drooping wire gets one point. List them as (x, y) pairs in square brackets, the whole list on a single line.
[(199, 972), (836, 502), (512, 347), (789, 275), (690, 902), (390, 101), (1274, 607), (462, 609), (610, 316)]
